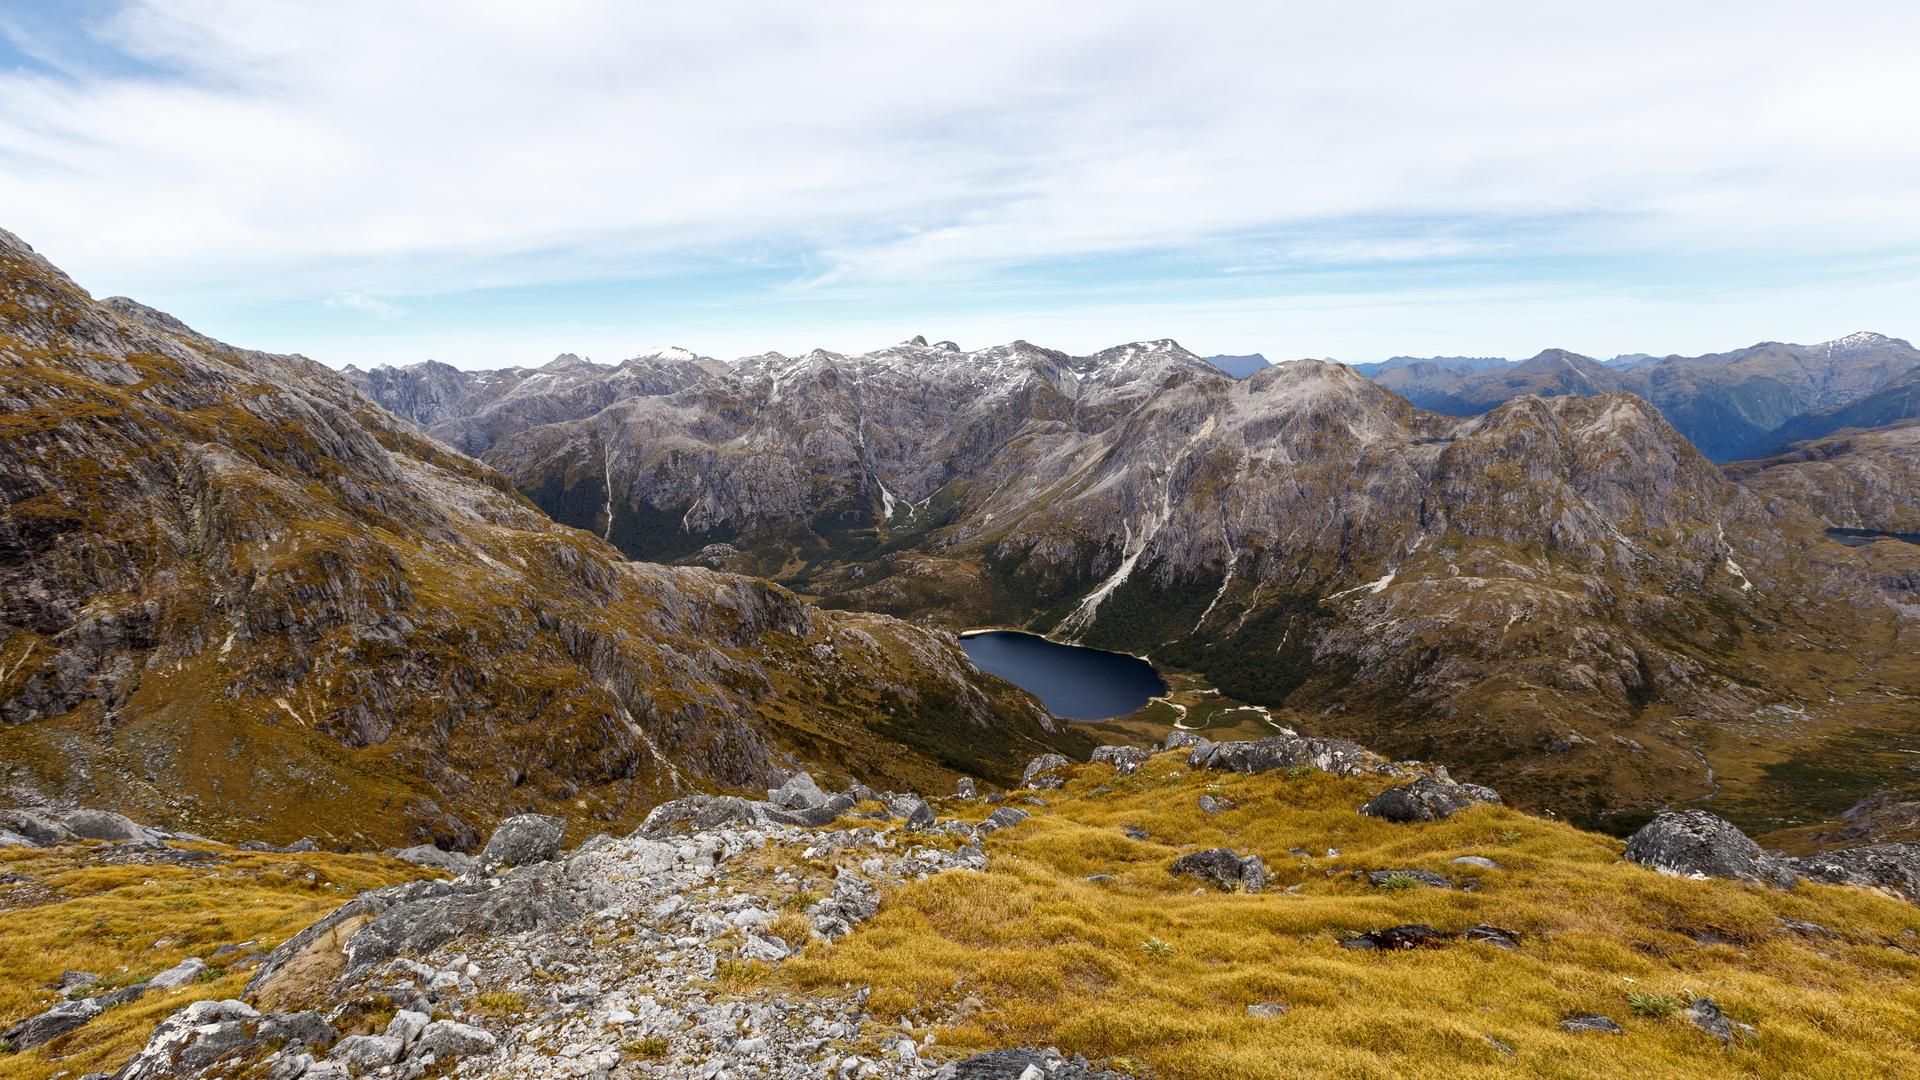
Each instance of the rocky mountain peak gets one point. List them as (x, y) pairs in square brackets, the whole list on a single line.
[(1862, 340)]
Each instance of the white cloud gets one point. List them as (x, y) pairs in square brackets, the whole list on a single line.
[(367, 302), (359, 148)]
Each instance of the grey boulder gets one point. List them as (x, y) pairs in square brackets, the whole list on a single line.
[(522, 840), (1427, 799), (106, 825), (1590, 1024), (913, 810), (206, 1032), (1177, 740), (1126, 760), (1706, 1016), (1224, 868), (38, 829), (1217, 806), (50, 1025), (1696, 844), (368, 1052), (798, 793), (445, 1038), (1404, 936), (178, 975), (1045, 763), (453, 862), (407, 1025), (965, 788), (1003, 818)]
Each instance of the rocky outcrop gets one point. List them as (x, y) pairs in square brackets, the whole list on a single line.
[(1696, 844), (623, 935), (39, 830), (1043, 766), (1341, 757), (1126, 760), (1890, 868), (799, 793), (207, 1032), (1427, 799)]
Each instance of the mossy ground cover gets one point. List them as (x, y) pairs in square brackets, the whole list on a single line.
[(1144, 971), (126, 921)]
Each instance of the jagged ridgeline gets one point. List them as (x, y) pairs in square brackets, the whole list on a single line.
[(242, 599), (1560, 595)]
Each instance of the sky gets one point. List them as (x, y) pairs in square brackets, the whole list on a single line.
[(494, 183)]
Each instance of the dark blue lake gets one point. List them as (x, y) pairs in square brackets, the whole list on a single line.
[(1863, 537), (1072, 682)]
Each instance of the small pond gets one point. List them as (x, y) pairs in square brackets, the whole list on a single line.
[(1072, 682)]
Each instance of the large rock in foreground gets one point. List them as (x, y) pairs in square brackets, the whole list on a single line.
[(1696, 844)]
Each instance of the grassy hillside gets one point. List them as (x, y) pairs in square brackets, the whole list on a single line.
[(1149, 973), (69, 909)]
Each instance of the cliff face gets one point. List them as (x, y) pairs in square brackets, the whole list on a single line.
[(1509, 591), (236, 590)]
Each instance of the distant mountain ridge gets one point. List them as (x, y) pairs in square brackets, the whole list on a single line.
[(1238, 366), (1896, 401), (1728, 404), (1445, 363)]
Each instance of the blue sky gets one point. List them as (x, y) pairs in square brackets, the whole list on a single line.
[(493, 183)]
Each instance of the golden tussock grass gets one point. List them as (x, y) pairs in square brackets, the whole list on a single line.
[(129, 922), (1143, 968)]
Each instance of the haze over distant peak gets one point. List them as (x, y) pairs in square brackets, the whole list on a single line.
[(1239, 366)]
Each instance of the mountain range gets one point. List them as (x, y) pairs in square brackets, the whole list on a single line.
[(242, 590), (1734, 405), (1557, 592)]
